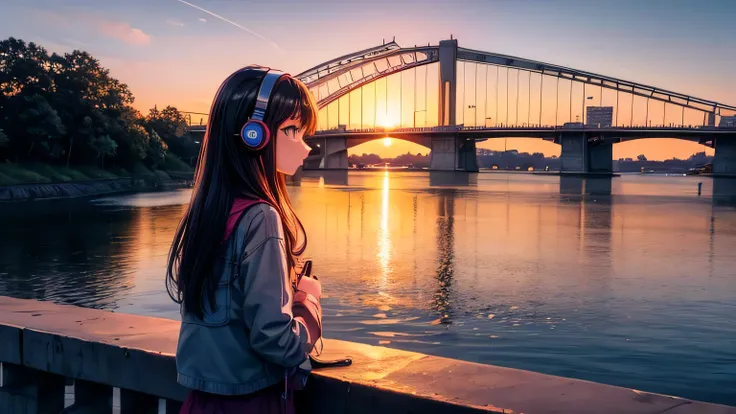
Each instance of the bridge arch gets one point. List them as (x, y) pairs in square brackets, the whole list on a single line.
[(339, 77), (346, 75)]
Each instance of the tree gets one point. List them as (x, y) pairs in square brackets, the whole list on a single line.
[(641, 157), (156, 150), (172, 127), (105, 147), (68, 109), (39, 125), (23, 68), (93, 103), (24, 84)]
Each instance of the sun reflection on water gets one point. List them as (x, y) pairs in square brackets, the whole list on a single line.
[(384, 236)]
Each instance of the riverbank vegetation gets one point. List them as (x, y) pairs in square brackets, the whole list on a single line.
[(64, 118), (514, 160)]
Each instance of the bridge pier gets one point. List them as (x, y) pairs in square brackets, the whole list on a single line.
[(583, 154), (467, 159), (452, 153), (328, 154), (724, 163)]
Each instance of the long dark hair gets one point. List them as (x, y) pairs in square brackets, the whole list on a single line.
[(227, 169)]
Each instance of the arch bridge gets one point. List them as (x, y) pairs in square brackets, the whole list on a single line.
[(447, 98)]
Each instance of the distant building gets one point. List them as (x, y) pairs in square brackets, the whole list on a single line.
[(728, 122), (599, 116)]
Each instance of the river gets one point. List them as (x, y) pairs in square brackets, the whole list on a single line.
[(628, 281)]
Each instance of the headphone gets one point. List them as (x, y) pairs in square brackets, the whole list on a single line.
[(255, 133)]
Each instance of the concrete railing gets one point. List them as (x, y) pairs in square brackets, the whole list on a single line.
[(43, 345)]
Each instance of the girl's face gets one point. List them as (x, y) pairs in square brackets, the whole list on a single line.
[(290, 147)]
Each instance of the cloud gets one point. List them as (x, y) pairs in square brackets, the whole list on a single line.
[(203, 20), (124, 32), (114, 29), (172, 22), (226, 20)]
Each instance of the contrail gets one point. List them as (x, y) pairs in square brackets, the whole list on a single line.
[(229, 21)]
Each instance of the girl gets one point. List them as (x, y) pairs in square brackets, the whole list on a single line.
[(247, 322)]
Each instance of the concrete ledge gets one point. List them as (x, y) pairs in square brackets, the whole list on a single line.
[(10, 343), (137, 353)]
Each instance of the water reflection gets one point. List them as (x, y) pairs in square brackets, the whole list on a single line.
[(384, 237), (75, 255), (571, 185), (326, 177), (452, 179), (445, 253), (724, 191), (601, 279)]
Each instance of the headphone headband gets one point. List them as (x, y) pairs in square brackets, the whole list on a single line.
[(264, 93)]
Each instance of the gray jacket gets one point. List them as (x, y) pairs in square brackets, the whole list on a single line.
[(250, 341)]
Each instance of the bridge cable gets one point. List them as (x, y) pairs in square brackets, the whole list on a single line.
[(541, 89), (633, 97), (570, 118), (485, 100), (465, 77), (518, 76), (529, 100), (415, 96), (475, 97), (584, 97), (683, 117), (617, 91), (361, 98), (664, 113), (507, 96), (426, 94), (497, 70), (557, 102), (646, 119)]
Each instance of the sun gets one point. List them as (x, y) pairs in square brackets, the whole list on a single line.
[(384, 121), (387, 142)]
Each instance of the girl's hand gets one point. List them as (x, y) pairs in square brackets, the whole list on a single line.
[(307, 307)]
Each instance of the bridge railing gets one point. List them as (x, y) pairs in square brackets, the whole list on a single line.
[(201, 123), (458, 128), (196, 118)]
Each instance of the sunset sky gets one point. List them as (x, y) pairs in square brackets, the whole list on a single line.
[(171, 52)]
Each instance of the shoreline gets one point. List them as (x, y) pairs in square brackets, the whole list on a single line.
[(77, 189)]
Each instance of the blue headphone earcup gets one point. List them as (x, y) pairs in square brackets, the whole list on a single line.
[(255, 134)]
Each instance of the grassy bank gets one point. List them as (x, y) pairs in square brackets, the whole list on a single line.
[(40, 173)]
